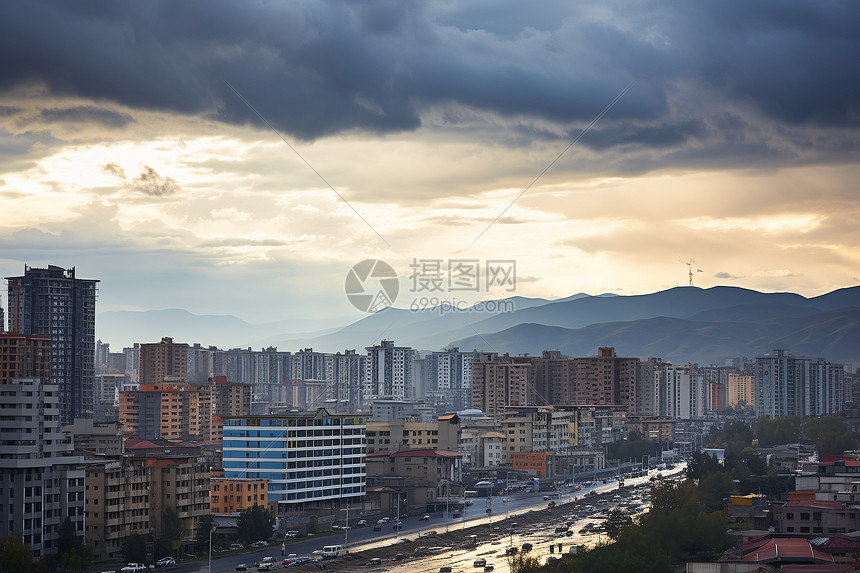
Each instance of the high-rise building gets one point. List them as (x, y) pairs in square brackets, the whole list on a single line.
[(55, 303), (499, 381), (787, 385), (606, 379), (739, 392), (388, 372), (42, 482), (165, 359), (683, 392)]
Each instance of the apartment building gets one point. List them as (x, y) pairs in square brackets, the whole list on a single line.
[(41, 480), (313, 460), (235, 495), (117, 506)]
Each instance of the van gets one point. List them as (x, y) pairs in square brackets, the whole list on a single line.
[(330, 551)]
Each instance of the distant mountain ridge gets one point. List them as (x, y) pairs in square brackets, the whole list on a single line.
[(678, 324)]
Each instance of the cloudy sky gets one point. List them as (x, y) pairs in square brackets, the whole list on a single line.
[(239, 157)]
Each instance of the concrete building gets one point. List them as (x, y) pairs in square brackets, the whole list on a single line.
[(388, 373), (170, 410), (24, 356), (165, 360), (117, 506), (500, 381), (739, 392), (654, 428), (395, 435), (235, 495), (606, 379), (53, 302), (314, 461), (682, 392), (432, 478), (41, 481), (89, 437), (786, 385)]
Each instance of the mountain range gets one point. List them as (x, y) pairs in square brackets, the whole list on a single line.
[(681, 324)]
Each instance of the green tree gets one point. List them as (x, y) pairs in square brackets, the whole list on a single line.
[(254, 524), (171, 533), (313, 525), (713, 489), (71, 552), (775, 431), (524, 563), (134, 548), (204, 527), (830, 434), (15, 557), (616, 522), (702, 464)]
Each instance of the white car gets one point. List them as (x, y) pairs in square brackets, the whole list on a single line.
[(134, 568)]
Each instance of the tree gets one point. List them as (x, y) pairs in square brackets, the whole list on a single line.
[(204, 528), (775, 431), (701, 465), (254, 524), (171, 533), (524, 563), (134, 548), (616, 522), (830, 434), (313, 525), (15, 557), (71, 552)]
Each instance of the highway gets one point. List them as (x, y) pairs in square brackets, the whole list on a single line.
[(365, 538)]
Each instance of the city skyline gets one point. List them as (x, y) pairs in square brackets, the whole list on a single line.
[(137, 151)]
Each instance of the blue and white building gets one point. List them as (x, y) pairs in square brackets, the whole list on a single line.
[(313, 460)]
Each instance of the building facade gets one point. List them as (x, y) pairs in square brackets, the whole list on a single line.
[(53, 302), (313, 460), (41, 481)]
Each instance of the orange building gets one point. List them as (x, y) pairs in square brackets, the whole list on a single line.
[(540, 462), (234, 495)]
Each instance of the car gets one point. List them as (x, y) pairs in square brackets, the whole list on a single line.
[(361, 523), (134, 568), (336, 527), (265, 567), (385, 519), (427, 534), (425, 518), (236, 546), (479, 562), (488, 567), (242, 567), (456, 514), (346, 528), (265, 561), (292, 532), (259, 544), (375, 561), (527, 547), (400, 557), (165, 561), (445, 569)]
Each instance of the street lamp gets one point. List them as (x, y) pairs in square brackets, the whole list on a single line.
[(211, 531)]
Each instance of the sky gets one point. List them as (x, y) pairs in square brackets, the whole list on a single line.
[(240, 157)]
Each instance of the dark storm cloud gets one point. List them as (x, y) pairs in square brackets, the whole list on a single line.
[(317, 68), (87, 114)]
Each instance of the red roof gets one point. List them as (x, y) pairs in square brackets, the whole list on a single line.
[(788, 549), (815, 503), (830, 459), (136, 443), (828, 568)]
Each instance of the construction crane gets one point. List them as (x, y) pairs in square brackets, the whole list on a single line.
[(690, 264)]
